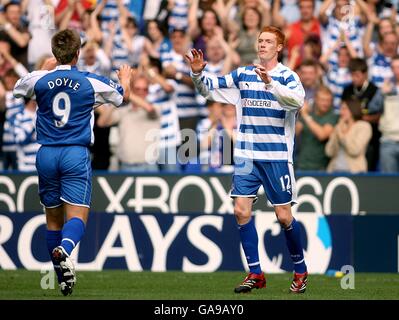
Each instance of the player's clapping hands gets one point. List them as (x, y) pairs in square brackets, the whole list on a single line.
[(196, 60)]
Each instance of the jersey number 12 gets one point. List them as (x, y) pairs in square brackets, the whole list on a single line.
[(285, 183)]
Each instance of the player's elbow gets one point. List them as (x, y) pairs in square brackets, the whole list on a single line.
[(126, 98), (16, 94), (300, 100)]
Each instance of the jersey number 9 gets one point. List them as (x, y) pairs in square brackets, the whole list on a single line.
[(64, 112)]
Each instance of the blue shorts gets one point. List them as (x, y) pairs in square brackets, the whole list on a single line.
[(64, 175), (277, 179)]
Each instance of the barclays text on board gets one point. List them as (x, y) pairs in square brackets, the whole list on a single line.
[(158, 242)]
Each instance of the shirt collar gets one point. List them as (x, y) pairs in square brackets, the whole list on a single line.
[(66, 67)]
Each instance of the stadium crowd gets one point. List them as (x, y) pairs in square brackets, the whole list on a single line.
[(345, 53)]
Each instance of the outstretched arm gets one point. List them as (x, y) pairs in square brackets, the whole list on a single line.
[(209, 86)]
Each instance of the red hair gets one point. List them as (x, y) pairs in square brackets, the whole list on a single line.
[(276, 31)]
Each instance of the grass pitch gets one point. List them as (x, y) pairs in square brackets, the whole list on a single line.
[(121, 285)]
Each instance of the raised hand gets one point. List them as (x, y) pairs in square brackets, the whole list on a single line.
[(49, 64), (124, 72), (197, 62), (262, 73), (124, 75)]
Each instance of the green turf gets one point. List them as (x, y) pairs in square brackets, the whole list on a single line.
[(22, 284)]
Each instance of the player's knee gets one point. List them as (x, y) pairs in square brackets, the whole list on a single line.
[(241, 213), (284, 216), (284, 221)]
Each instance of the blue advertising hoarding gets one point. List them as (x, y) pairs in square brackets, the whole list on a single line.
[(191, 243)]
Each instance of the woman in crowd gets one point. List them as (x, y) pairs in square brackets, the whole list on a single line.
[(348, 143)]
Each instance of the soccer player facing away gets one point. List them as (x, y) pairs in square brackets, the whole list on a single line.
[(267, 96), (66, 99)]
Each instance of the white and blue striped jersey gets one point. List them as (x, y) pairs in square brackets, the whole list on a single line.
[(136, 50), (215, 68), (332, 31), (120, 53), (380, 69), (178, 18), (111, 11), (14, 106), (101, 66), (66, 99), (337, 79), (170, 128), (25, 138), (184, 96), (265, 117)]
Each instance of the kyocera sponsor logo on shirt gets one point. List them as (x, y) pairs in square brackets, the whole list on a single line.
[(256, 103)]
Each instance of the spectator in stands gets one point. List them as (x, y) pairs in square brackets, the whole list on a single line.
[(285, 12), (310, 50), (380, 60), (136, 123), (335, 19), (206, 133), (229, 136), (204, 28), (25, 137), (247, 35), (375, 31), (298, 32), (221, 57), (315, 128), (40, 14), (8, 62), (136, 44), (348, 142), (13, 106), (175, 67), (69, 13), (94, 59), (338, 76), (262, 5), (90, 29), (14, 32), (160, 95), (389, 123), (157, 35), (216, 137), (232, 12), (308, 73), (113, 18), (371, 100), (178, 17)]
